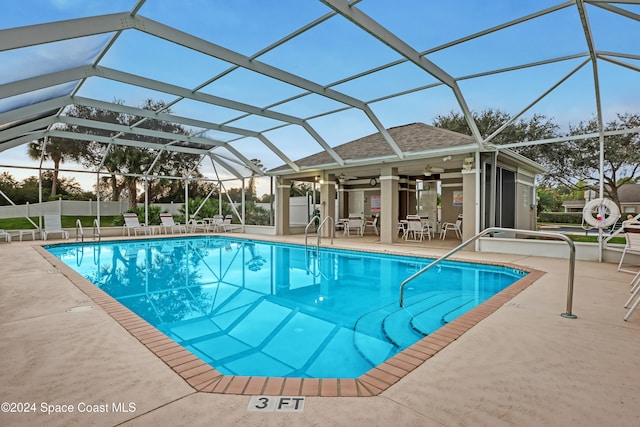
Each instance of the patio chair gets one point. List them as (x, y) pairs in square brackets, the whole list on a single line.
[(131, 223), (427, 226), (5, 235), (169, 223), (354, 223), (53, 224), (217, 223), (227, 226), (414, 228), (195, 224), (452, 226), (373, 223), (635, 293), (632, 235)]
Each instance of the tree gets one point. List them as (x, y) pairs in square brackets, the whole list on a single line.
[(58, 150), (127, 165), (8, 186), (251, 184), (576, 163), (488, 121)]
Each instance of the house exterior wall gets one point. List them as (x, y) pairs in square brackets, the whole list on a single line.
[(526, 217)]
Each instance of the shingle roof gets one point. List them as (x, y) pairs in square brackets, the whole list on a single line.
[(411, 138), (629, 193)]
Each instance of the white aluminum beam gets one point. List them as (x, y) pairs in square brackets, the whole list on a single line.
[(21, 140), (119, 141), (34, 109), (363, 21), (185, 121), (187, 40), (25, 128)]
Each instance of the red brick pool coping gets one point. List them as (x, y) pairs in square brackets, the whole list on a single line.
[(204, 378)]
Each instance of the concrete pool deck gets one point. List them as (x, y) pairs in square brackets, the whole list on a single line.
[(522, 365)]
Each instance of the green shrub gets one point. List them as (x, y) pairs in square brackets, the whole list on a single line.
[(560, 217), (154, 215)]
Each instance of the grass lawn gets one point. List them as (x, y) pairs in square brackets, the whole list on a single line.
[(594, 239), (67, 222)]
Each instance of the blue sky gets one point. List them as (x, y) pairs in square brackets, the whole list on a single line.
[(335, 50)]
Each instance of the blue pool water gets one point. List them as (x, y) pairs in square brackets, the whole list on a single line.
[(262, 309)]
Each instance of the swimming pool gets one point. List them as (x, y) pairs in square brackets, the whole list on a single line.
[(253, 308)]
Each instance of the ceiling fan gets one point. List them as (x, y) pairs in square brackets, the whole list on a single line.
[(428, 170), (343, 177)]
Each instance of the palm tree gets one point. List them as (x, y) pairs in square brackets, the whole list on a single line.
[(251, 185), (58, 150)]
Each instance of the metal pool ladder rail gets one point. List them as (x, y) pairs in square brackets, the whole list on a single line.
[(80, 231), (572, 260), (318, 231)]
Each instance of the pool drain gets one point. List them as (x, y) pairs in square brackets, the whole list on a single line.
[(80, 308)]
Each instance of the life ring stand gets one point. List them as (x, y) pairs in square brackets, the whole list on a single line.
[(601, 213)]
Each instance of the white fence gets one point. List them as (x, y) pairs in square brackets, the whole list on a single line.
[(77, 208), (301, 209)]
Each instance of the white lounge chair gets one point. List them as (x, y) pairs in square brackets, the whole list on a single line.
[(131, 223), (5, 235), (53, 224), (632, 236), (169, 223), (197, 224), (227, 226)]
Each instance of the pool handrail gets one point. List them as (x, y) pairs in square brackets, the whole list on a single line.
[(319, 237), (332, 233), (79, 231), (572, 260), (96, 229), (306, 229)]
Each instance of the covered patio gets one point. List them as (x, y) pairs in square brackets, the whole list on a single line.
[(484, 189)]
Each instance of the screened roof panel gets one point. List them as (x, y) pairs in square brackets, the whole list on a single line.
[(414, 107), (20, 13), (308, 106), (254, 149), (513, 46), (398, 78), (602, 21), (111, 90), (36, 96), (254, 123), (252, 88), (494, 91), (313, 75), (154, 58), (294, 141), (245, 26), (204, 111), (32, 61), (331, 51), (425, 25), (333, 128), (619, 89)]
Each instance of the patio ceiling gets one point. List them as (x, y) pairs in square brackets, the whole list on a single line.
[(278, 81)]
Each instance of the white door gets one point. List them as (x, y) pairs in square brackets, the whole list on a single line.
[(356, 202)]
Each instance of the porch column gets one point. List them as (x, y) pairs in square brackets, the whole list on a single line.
[(282, 206), (328, 201), (470, 205), (389, 201)]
